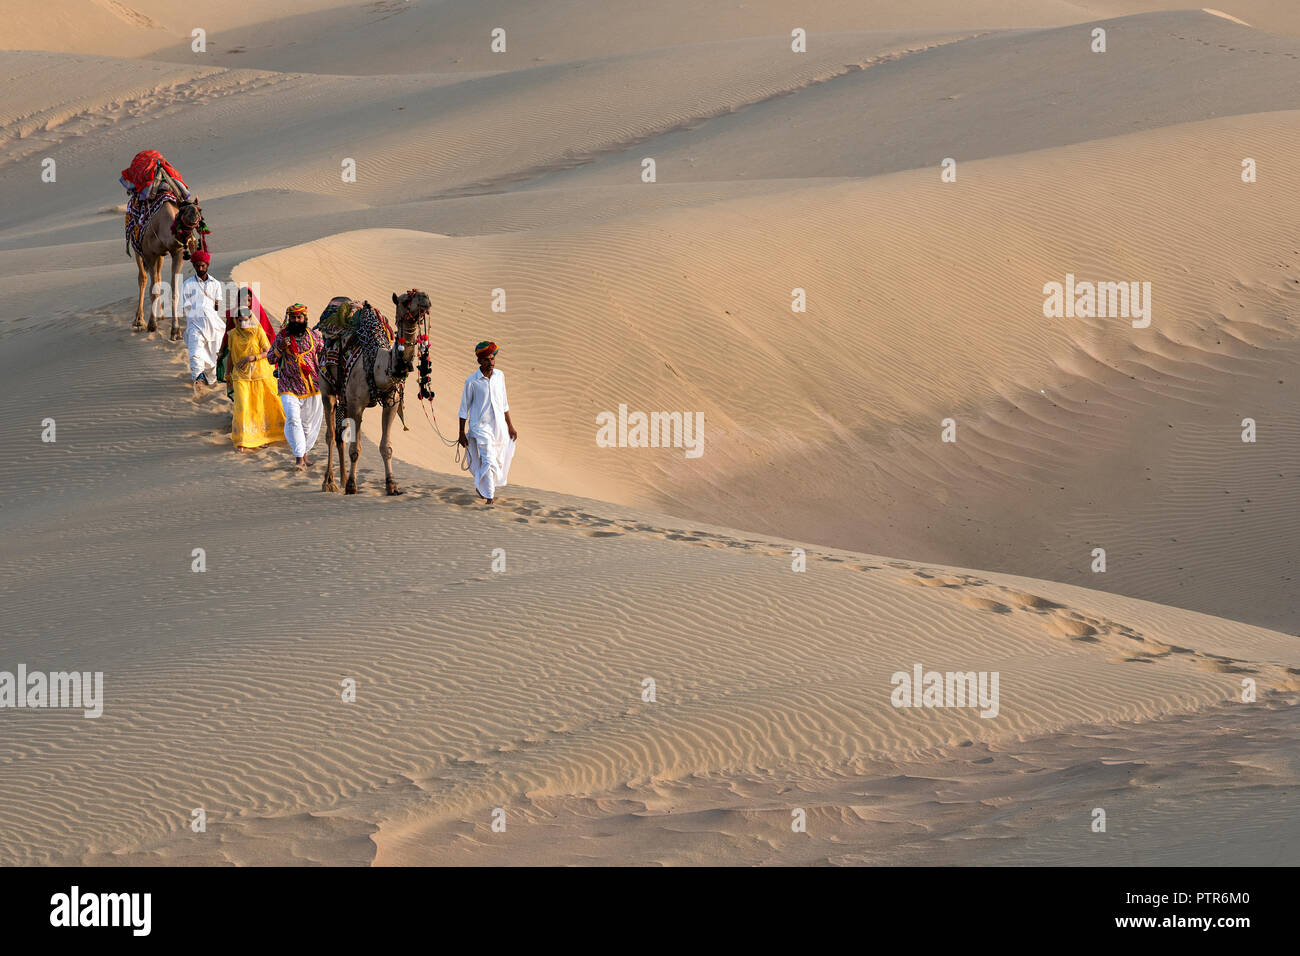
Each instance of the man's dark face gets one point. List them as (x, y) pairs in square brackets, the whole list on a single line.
[(488, 364), (201, 270)]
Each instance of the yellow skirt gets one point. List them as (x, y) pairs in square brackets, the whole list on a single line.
[(258, 417)]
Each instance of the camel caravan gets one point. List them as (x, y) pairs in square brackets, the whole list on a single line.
[(292, 381)]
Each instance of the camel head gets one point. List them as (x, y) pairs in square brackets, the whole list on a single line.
[(186, 224), (189, 215), (412, 309)]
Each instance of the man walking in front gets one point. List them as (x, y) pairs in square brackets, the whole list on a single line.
[(205, 322), (486, 432)]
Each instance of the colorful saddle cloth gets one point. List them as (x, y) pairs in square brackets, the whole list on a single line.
[(138, 213), (353, 331)]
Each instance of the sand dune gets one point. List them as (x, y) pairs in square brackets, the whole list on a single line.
[(911, 111), (522, 690), (414, 36), (936, 301), (1274, 16), (477, 689)]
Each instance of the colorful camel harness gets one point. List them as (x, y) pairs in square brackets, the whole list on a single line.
[(356, 333), (140, 210)]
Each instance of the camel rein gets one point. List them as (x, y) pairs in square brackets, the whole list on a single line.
[(426, 392)]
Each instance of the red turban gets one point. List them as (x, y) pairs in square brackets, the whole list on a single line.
[(200, 255)]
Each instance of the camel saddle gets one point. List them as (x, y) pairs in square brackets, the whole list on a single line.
[(353, 331)]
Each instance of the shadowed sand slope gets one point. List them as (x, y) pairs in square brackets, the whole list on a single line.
[(1275, 16), (989, 95), (475, 689), (411, 137), (926, 303), (856, 104), (408, 36)]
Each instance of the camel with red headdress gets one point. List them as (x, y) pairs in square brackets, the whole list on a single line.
[(163, 219), (368, 367)]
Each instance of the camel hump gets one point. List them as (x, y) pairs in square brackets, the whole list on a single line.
[(339, 316)]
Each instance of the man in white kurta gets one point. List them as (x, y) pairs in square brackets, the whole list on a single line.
[(205, 321), (486, 431)]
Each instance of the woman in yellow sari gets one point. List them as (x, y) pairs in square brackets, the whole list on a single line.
[(258, 418)]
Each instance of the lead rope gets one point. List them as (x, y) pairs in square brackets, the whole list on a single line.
[(426, 394)]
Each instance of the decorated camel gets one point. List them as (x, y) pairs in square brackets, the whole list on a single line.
[(365, 365), (162, 219), (170, 231)]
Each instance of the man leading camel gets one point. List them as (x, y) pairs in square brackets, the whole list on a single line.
[(486, 432), (205, 321)]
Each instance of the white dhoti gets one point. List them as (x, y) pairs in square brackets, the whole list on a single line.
[(204, 344), (302, 421), (489, 460), (204, 326), (483, 408)]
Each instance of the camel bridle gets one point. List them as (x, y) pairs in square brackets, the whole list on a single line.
[(412, 327), (188, 217)]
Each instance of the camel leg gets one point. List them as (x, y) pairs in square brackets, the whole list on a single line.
[(327, 404), (386, 449), (144, 288), (177, 265), (350, 488), (338, 437), (155, 274)]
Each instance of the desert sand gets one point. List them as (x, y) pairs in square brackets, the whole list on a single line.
[(522, 691)]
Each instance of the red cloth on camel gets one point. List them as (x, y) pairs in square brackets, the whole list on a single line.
[(139, 175)]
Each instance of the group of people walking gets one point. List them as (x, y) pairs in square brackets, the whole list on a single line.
[(271, 379), (270, 376)]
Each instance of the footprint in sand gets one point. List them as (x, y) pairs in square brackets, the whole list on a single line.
[(1075, 630), (1031, 602), (984, 604), (921, 579)]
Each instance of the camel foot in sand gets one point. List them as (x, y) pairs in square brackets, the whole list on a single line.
[(392, 487), (350, 488), (328, 484)]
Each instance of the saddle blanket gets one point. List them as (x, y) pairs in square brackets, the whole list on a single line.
[(352, 331), (139, 212)]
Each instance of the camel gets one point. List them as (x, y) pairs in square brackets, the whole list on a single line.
[(171, 232), (392, 365)]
